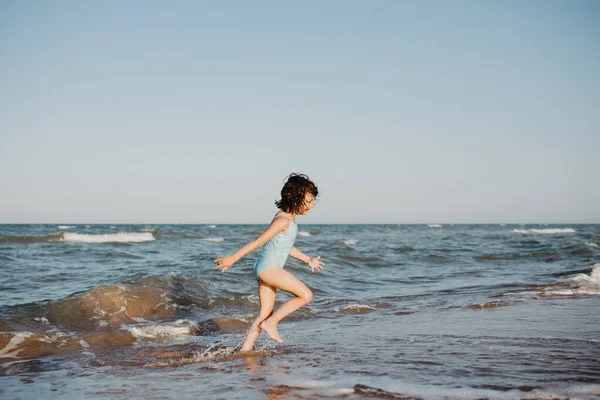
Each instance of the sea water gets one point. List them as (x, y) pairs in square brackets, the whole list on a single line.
[(399, 312)]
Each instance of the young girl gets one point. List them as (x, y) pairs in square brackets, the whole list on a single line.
[(297, 198)]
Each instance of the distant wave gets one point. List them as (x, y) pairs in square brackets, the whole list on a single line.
[(434, 225), (545, 231), (65, 227), (31, 239), (303, 233), (123, 237), (350, 242)]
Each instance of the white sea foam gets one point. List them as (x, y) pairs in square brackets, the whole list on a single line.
[(212, 226), (580, 284), (350, 242), (357, 309), (11, 350), (214, 352), (592, 278), (65, 227), (434, 225), (218, 240), (592, 244), (595, 275), (575, 286), (122, 237), (545, 231), (303, 233), (159, 331)]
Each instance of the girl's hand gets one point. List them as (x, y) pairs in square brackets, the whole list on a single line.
[(315, 263), (224, 263)]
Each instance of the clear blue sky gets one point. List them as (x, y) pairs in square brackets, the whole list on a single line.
[(401, 111)]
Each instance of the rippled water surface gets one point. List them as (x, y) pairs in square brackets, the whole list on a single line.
[(400, 312)]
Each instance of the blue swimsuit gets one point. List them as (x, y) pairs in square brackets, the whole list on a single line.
[(276, 251)]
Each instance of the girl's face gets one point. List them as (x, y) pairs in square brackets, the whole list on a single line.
[(309, 202)]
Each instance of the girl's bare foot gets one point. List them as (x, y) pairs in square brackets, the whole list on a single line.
[(271, 329), (246, 347), (251, 337)]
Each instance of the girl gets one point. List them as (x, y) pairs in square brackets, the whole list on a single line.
[(297, 198)]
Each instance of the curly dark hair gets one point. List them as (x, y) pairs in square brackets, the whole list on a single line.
[(293, 193)]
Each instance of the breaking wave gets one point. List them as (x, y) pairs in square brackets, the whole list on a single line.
[(123, 237), (581, 284), (149, 308), (549, 231)]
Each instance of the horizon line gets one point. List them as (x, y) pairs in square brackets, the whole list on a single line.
[(317, 223)]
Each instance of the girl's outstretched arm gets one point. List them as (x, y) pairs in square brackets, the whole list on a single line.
[(314, 263), (278, 225)]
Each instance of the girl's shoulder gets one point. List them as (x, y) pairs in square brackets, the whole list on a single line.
[(285, 216)]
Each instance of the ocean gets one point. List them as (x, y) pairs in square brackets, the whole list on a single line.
[(399, 312)]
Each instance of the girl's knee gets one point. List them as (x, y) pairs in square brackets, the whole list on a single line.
[(307, 296)]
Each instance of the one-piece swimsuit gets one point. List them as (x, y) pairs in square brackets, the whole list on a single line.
[(275, 252)]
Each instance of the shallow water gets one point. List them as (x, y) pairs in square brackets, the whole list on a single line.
[(400, 311)]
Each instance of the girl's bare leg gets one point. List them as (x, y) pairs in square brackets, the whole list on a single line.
[(266, 294), (283, 280)]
